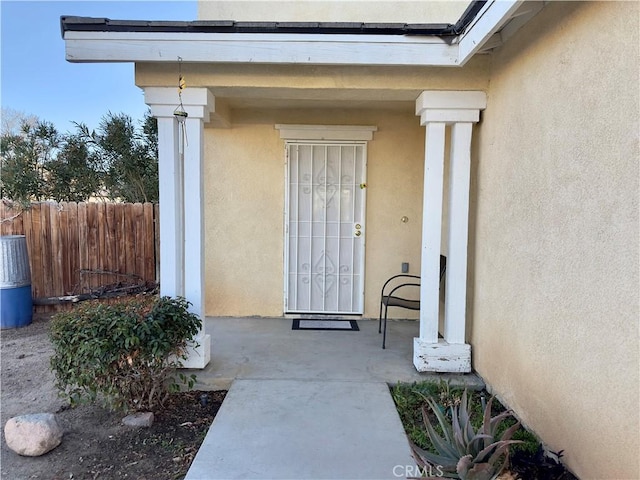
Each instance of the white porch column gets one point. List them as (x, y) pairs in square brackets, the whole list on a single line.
[(437, 110), (182, 203), (456, 274), (431, 231), (171, 215)]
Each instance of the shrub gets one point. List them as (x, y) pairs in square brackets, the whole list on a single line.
[(126, 354), (462, 451)]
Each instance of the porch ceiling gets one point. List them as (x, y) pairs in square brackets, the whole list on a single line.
[(297, 98)]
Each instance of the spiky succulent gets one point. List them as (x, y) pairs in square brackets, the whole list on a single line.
[(463, 452)]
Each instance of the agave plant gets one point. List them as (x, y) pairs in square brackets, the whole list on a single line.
[(463, 452)]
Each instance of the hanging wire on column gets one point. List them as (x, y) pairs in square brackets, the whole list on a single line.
[(180, 113)]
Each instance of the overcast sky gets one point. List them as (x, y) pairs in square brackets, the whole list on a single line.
[(36, 78)]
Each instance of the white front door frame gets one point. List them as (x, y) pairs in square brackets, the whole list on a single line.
[(334, 135), (439, 110), (332, 280)]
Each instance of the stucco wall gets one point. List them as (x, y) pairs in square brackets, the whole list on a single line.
[(405, 11), (554, 276), (245, 181)]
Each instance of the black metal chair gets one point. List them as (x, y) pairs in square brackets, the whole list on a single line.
[(396, 292)]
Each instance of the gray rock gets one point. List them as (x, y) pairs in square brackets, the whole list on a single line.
[(139, 419), (34, 434)]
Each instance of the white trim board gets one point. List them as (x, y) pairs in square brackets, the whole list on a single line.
[(259, 48), (326, 132)]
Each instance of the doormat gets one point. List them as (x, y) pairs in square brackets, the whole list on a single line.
[(319, 324)]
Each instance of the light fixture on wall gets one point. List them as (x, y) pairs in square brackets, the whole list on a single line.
[(180, 113)]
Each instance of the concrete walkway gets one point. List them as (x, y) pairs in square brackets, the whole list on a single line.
[(307, 404)]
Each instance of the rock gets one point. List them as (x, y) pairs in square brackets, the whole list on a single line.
[(34, 434), (139, 419)]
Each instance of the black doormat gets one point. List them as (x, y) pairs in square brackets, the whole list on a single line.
[(322, 324)]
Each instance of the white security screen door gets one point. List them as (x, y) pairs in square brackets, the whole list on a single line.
[(324, 237)]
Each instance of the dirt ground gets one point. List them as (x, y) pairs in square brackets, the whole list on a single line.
[(95, 444)]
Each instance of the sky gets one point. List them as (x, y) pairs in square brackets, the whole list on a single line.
[(37, 80)]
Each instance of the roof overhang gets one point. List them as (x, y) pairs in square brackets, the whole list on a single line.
[(103, 40)]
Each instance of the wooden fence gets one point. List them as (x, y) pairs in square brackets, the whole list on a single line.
[(76, 248)]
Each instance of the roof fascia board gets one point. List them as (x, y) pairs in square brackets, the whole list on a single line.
[(255, 37), (383, 50), (494, 15)]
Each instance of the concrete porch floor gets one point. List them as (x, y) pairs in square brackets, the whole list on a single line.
[(307, 404), (267, 348)]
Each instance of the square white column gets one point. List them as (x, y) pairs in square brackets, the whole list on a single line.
[(200, 350), (171, 210), (431, 228), (456, 274), (437, 110), (182, 204)]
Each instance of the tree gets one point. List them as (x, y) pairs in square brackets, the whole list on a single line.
[(25, 156), (119, 161), (75, 174), (129, 156)]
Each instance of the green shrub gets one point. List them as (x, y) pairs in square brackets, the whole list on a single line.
[(463, 451), (125, 354), (411, 398)]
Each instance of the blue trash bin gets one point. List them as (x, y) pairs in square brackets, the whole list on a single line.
[(16, 302)]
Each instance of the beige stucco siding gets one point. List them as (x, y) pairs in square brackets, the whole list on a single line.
[(245, 185), (404, 11), (554, 276)]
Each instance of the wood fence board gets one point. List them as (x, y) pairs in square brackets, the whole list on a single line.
[(109, 256), (27, 231), (46, 249), (83, 251), (74, 250), (5, 223), (101, 264), (121, 238), (35, 251), (138, 213), (62, 249), (56, 219), (18, 223), (129, 240), (11, 219), (93, 245)]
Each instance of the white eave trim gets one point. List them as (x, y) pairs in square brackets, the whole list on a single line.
[(259, 48), (493, 16), (310, 49)]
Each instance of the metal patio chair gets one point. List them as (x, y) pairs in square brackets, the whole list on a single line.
[(400, 291)]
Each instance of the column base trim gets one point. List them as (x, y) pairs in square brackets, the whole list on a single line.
[(198, 356), (441, 357)]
